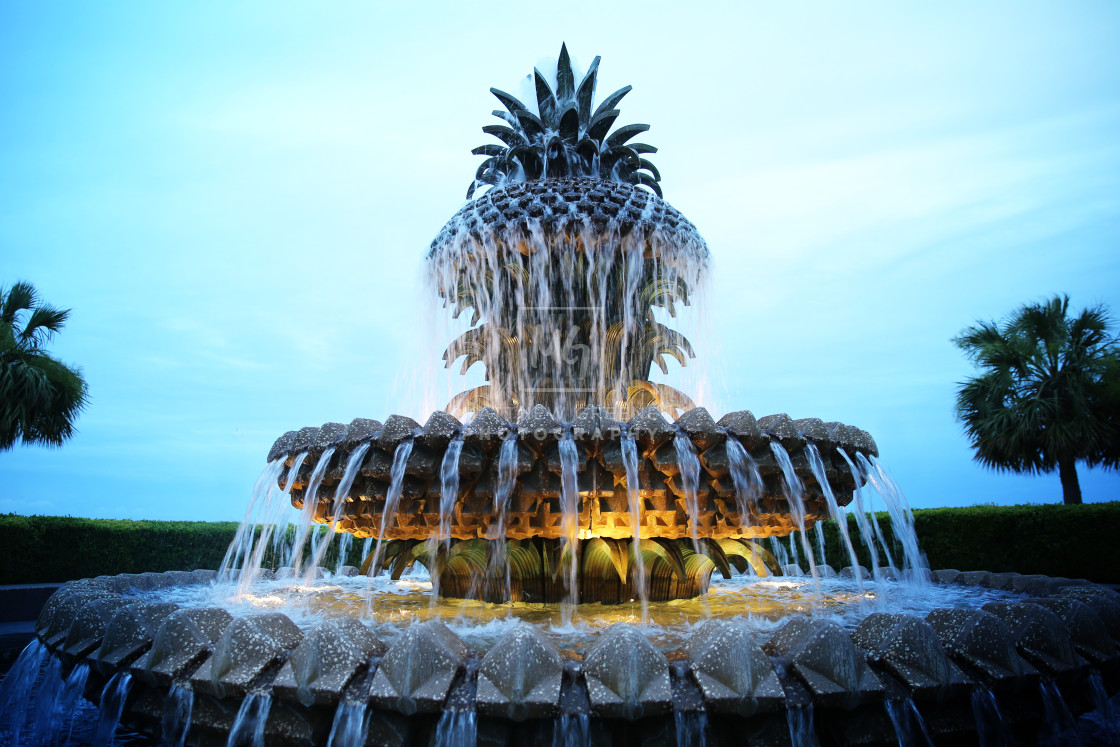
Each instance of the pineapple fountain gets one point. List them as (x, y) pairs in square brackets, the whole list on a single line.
[(538, 557)]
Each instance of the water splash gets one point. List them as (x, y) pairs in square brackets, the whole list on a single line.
[(248, 726), (633, 500), (689, 464), (113, 699), (350, 725), (569, 520), (175, 723)]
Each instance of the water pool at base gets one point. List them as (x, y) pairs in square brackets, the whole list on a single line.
[(388, 606)]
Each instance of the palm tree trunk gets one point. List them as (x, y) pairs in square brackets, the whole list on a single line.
[(1071, 488)]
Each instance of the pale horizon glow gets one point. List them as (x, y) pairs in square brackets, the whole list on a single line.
[(235, 202)]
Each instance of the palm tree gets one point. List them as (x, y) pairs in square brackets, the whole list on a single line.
[(1047, 394), (39, 396)]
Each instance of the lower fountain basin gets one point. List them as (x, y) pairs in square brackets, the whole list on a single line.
[(773, 659)]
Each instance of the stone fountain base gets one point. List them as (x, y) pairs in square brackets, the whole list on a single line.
[(1009, 667)]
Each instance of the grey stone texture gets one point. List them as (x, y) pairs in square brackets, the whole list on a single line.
[(520, 677), (627, 677), (731, 669), (416, 673)]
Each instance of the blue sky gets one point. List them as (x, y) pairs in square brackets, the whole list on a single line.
[(235, 200)]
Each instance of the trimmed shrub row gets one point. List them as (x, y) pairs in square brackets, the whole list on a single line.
[(1056, 540)]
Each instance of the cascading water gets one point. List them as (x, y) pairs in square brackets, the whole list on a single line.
[(794, 490), (248, 725), (909, 726), (507, 481), (50, 689), (310, 505), (342, 490), (456, 729), (113, 699), (689, 465), (902, 518), (745, 476), (569, 522), (350, 725), (16, 689), (816, 465), (1057, 714), (177, 710), (691, 728), (448, 492), (572, 730), (990, 726), (633, 502), (866, 533), (392, 498), (54, 711), (802, 731)]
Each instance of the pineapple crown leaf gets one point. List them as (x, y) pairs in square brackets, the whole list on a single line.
[(564, 137)]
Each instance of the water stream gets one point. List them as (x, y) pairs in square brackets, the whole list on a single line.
[(634, 502), (689, 464), (248, 726), (507, 481), (569, 521)]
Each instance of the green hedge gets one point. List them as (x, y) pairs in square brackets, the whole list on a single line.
[(1056, 540), (60, 548)]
